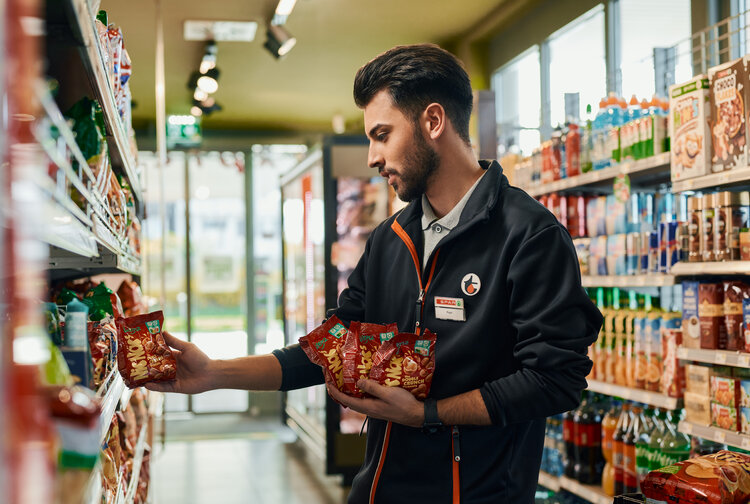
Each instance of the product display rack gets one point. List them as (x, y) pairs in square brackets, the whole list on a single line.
[(711, 268), (716, 434), (718, 357), (637, 395), (656, 165), (549, 481), (591, 493), (648, 280), (733, 177)]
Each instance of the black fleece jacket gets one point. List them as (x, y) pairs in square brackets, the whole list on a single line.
[(523, 345)]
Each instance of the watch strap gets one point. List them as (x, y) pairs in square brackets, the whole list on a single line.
[(432, 422)]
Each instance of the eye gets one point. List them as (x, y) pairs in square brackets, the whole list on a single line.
[(381, 137)]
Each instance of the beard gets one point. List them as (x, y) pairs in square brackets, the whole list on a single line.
[(419, 166)]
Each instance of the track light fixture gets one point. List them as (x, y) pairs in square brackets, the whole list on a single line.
[(204, 82), (278, 40)]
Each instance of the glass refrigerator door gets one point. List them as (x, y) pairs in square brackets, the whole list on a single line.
[(304, 291)]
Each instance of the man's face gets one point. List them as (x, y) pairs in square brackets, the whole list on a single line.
[(397, 148)]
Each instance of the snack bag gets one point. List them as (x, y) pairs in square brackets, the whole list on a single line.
[(101, 297), (406, 361), (323, 347), (143, 355), (100, 349), (718, 478), (362, 342)]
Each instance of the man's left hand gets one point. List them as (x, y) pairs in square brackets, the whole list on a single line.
[(388, 403)]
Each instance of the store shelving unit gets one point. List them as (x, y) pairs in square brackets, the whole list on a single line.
[(591, 493), (652, 280), (711, 268), (110, 394), (637, 395), (140, 449), (716, 434), (549, 481), (658, 164), (718, 357), (740, 176)]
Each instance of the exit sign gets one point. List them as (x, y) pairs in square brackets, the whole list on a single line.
[(183, 131)]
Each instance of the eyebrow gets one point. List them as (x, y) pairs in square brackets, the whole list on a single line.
[(375, 129)]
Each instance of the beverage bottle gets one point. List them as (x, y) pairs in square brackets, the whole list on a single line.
[(657, 436), (618, 448), (568, 441), (641, 445), (675, 447), (628, 441), (76, 325), (630, 318), (587, 142), (609, 423), (573, 151), (588, 443)]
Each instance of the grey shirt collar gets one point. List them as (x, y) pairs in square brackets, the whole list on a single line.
[(449, 220)]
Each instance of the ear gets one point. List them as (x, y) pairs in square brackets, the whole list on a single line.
[(434, 120)]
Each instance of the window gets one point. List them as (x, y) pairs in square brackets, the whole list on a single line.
[(577, 66), (517, 88), (644, 26)]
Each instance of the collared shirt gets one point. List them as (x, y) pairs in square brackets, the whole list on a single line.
[(435, 229)]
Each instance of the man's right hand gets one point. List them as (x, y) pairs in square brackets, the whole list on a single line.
[(194, 369)]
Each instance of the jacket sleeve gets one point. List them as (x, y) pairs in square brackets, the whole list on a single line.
[(555, 323), (296, 369)]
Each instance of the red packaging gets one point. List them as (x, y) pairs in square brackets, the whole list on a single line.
[(673, 375), (362, 342), (143, 354), (718, 478), (100, 347), (573, 151), (711, 315), (406, 361), (734, 293), (323, 347)]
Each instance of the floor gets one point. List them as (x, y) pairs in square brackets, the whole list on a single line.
[(232, 459)]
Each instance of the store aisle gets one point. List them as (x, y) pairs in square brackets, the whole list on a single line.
[(264, 465)]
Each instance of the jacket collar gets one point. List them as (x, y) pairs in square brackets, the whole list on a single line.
[(480, 204)]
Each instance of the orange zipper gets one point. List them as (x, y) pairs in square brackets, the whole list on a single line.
[(455, 459), (380, 462)]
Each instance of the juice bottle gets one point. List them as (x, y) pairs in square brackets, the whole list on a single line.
[(630, 318), (573, 151), (618, 448), (586, 143), (628, 441), (655, 358), (609, 424)]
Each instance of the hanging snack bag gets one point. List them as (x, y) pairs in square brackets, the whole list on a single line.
[(323, 347), (406, 361), (718, 478), (362, 342), (143, 354)]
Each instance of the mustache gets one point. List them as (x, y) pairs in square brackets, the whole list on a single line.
[(384, 172)]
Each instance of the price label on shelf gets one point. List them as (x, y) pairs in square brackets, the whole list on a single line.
[(724, 178), (720, 437), (745, 443), (744, 360), (721, 358)]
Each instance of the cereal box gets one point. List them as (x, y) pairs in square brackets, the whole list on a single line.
[(725, 391), (745, 416), (698, 379), (689, 128), (745, 393), (728, 84), (691, 337), (697, 408), (725, 417)]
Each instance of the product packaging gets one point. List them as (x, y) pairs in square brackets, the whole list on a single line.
[(673, 376), (711, 314), (667, 246), (725, 417), (406, 361), (697, 408), (362, 342), (323, 347), (744, 244), (725, 391), (746, 322), (734, 292), (689, 128), (616, 254), (698, 379), (690, 321), (143, 356), (729, 92), (745, 393)]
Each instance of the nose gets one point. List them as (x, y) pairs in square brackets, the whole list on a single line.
[(374, 157)]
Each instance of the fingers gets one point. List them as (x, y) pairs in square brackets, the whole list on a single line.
[(167, 386), (175, 342), (372, 387)]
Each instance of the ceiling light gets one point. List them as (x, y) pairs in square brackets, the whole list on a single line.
[(285, 7), (208, 83), (200, 95), (196, 111), (278, 41)]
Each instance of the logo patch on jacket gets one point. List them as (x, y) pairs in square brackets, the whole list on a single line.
[(470, 284)]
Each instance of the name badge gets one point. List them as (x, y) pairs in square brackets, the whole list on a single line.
[(450, 309)]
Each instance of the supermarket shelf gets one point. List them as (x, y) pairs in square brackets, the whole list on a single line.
[(739, 176), (591, 493), (720, 357), (653, 280), (549, 481), (638, 395), (716, 434), (106, 262), (711, 268), (652, 165), (135, 475), (109, 394), (92, 59)]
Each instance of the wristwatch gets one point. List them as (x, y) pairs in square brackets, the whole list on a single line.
[(432, 422)]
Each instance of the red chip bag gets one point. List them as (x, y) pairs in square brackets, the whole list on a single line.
[(362, 342), (323, 345), (718, 478), (143, 356), (406, 361)]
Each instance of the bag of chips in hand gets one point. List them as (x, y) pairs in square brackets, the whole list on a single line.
[(406, 361), (323, 347), (143, 355), (362, 342)]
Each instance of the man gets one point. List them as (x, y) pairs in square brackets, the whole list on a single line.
[(515, 351)]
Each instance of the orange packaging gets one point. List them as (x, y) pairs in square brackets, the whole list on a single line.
[(406, 361), (323, 347), (673, 374), (143, 355), (361, 344)]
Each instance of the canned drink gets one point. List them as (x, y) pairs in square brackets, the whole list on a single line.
[(633, 253), (653, 252), (644, 242), (667, 245), (683, 242)]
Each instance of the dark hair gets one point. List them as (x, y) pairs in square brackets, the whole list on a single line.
[(415, 76)]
